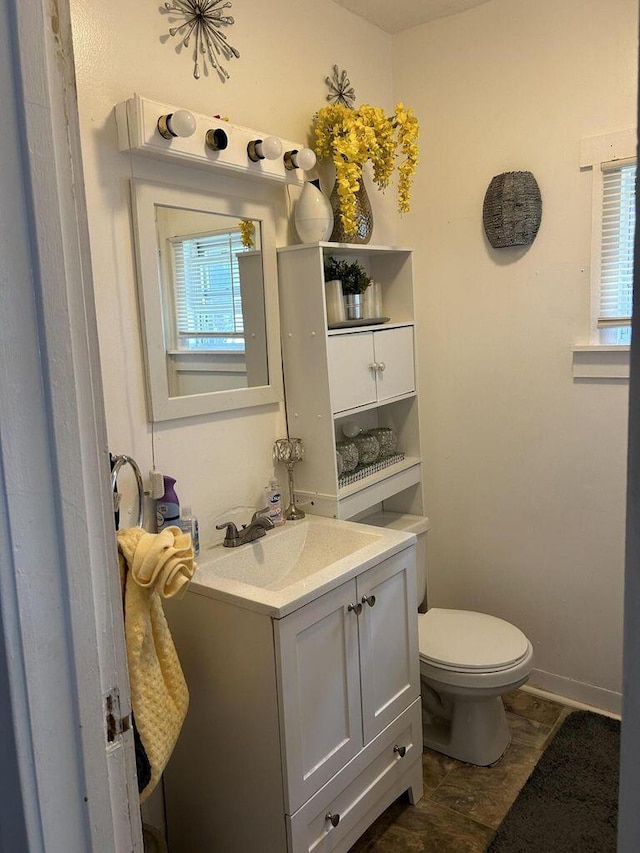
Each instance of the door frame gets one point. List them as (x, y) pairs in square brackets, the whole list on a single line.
[(62, 649)]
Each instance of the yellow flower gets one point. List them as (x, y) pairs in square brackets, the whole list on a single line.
[(350, 137), (247, 231)]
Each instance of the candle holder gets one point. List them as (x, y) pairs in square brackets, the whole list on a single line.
[(290, 451)]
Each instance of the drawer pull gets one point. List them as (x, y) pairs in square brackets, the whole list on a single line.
[(357, 608), (401, 750), (369, 599), (334, 819)]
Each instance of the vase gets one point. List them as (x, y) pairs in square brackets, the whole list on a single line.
[(334, 301), (364, 217), (313, 216)]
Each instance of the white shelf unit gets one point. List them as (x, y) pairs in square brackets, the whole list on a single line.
[(330, 379)]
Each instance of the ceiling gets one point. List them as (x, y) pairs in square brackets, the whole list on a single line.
[(393, 16)]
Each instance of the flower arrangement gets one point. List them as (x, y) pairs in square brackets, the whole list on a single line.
[(247, 233), (350, 137), (352, 275)]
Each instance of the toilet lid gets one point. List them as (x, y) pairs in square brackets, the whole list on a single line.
[(465, 640)]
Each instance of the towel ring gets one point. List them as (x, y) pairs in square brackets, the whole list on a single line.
[(117, 465)]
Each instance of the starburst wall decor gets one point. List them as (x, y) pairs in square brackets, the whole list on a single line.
[(340, 89), (204, 21)]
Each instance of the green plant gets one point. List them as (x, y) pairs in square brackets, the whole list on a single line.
[(333, 268), (352, 274)]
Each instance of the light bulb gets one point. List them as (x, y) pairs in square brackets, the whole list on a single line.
[(181, 123), (306, 159), (271, 148), (264, 149), (303, 159)]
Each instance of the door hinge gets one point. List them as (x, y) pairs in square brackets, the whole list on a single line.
[(116, 723)]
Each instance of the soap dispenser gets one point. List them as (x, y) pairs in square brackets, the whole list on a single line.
[(189, 523), (272, 500)]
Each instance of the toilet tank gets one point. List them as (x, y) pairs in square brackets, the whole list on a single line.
[(418, 524)]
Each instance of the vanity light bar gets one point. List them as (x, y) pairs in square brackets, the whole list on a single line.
[(214, 143)]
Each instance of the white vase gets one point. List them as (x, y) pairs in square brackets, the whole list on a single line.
[(335, 301), (313, 216)]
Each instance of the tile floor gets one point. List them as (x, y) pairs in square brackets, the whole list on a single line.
[(462, 804)]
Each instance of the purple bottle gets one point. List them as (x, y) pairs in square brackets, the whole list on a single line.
[(168, 506)]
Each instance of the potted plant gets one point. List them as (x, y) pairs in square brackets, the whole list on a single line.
[(354, 280), (350, 137)]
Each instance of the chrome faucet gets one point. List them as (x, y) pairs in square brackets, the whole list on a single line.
[(256, 528)]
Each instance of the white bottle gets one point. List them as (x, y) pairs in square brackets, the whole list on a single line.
[(189, 524), (273, 500)]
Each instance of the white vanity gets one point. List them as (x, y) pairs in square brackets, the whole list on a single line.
[(300, 651)]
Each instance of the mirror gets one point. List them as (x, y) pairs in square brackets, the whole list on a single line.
[(207, 287)]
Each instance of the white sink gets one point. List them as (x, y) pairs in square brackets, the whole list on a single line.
[(284, 557), (293, 563)]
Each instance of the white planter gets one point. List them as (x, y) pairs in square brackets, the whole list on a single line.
[(335, 301)]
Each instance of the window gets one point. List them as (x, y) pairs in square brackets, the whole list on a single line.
[(614, 260), (208, 305)]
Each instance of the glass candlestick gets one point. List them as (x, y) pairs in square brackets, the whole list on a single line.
[(289, 451)]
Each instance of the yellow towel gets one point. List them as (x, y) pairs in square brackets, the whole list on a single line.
[(154, 565)]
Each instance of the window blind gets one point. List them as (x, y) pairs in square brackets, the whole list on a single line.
[(208, 305), (617, 244)]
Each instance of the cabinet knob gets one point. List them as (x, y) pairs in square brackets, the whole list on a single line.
[(357, 608), (401, 750), (373, 366), (382, 366), (334, 819), (369, 599)]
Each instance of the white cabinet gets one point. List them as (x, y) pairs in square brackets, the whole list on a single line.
[(348, 667), (300, 730), (365, 374), (370, 367)]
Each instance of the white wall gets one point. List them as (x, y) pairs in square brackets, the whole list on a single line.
[(525, 468), (286, 51)]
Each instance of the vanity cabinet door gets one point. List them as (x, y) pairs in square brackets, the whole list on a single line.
[(370, 367), (388, 626), (318, 662)]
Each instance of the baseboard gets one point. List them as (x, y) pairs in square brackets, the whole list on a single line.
[(576, 694)]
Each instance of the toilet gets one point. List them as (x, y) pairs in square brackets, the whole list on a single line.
[(468, 661)]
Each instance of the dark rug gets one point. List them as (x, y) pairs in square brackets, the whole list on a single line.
[(569, 804)]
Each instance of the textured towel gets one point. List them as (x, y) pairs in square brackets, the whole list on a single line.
[(154, 565)]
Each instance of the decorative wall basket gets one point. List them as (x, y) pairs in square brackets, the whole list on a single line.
[(512, 210)]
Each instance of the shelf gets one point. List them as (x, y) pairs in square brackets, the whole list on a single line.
[(378, 477), (365, 493), (377, 404), (346, 247), (366, 327)]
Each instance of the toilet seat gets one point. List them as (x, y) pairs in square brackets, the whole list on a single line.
[(468, 642)]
